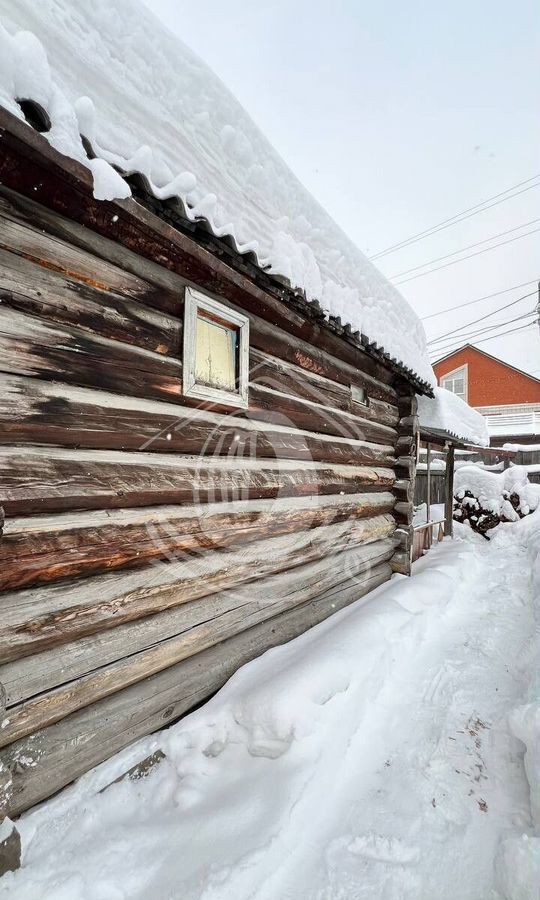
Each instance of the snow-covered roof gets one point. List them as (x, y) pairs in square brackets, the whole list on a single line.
[(448, 413), (113, 73)]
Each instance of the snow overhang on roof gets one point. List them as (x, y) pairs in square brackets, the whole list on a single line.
[(145, 104), (449, 416)]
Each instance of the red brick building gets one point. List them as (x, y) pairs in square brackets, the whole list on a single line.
[(508, 397)]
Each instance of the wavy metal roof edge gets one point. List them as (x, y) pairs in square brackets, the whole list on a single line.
[(175, 211)]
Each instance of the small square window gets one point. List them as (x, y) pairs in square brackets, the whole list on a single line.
[(359, 395), (216, 351)]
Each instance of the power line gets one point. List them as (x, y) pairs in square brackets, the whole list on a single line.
[(459, 217), (468, 247), (481, 318), (470, 256), (467, 336), (457, 342), (479, 300), (492, 337), (504, 333)]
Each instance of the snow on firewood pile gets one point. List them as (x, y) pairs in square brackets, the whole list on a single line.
[(484, 499), (112, 72), (379, 755), (446, 412)]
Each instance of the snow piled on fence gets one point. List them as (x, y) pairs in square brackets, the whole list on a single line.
[(112, 72), (448, 412), (492, 489)]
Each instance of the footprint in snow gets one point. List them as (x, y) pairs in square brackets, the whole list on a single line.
[(383, 849)]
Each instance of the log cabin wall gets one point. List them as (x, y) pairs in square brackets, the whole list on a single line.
[(150, 547)]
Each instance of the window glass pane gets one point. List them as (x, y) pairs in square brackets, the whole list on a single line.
[(455, 383), (216, 353)]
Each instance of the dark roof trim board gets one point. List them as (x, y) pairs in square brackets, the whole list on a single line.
[(164, 222), (489, 356)]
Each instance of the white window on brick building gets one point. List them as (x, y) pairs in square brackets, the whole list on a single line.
[(456, 382)]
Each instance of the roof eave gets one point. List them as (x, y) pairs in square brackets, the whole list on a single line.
[(223, 249)]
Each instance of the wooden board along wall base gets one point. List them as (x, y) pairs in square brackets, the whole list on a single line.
[(50, 759)]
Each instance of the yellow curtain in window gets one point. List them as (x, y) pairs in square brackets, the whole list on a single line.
[(215, 355)]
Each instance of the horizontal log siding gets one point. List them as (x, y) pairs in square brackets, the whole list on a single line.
[(48, 548), (100, 665), (50, 758), (42, 617), (151, 547)]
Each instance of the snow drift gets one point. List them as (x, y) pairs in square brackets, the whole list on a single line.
[(519, 862)]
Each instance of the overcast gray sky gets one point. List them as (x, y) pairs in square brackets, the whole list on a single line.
[(397, 116)]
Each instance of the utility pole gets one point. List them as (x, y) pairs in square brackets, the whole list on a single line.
[(538, 307)]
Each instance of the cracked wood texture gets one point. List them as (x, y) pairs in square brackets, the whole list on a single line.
[(153, 544)]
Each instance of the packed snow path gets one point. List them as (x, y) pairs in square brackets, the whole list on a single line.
[(370, 758)]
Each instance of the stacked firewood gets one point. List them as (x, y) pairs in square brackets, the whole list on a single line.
[(469, 509)]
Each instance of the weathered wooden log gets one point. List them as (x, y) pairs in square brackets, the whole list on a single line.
[(36, 618), (268, 405), (407, 405), (61, 257), (406, 445), (106, 306), (267, 370), (401, 562), (403, 536), (403, 512), (193, 631), (179, 253), (34, 411), (43, 479), (42, 411), (10, 846), (47, 548), (89, 305), (166, 286), (408, 425), (48, 760), (29, 346), (403, 489), (139, 770), (405, 467)]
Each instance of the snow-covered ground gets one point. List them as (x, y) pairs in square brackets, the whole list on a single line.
[(373, 757)]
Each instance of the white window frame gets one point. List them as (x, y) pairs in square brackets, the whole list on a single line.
[(465, 369), (193, 302)]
